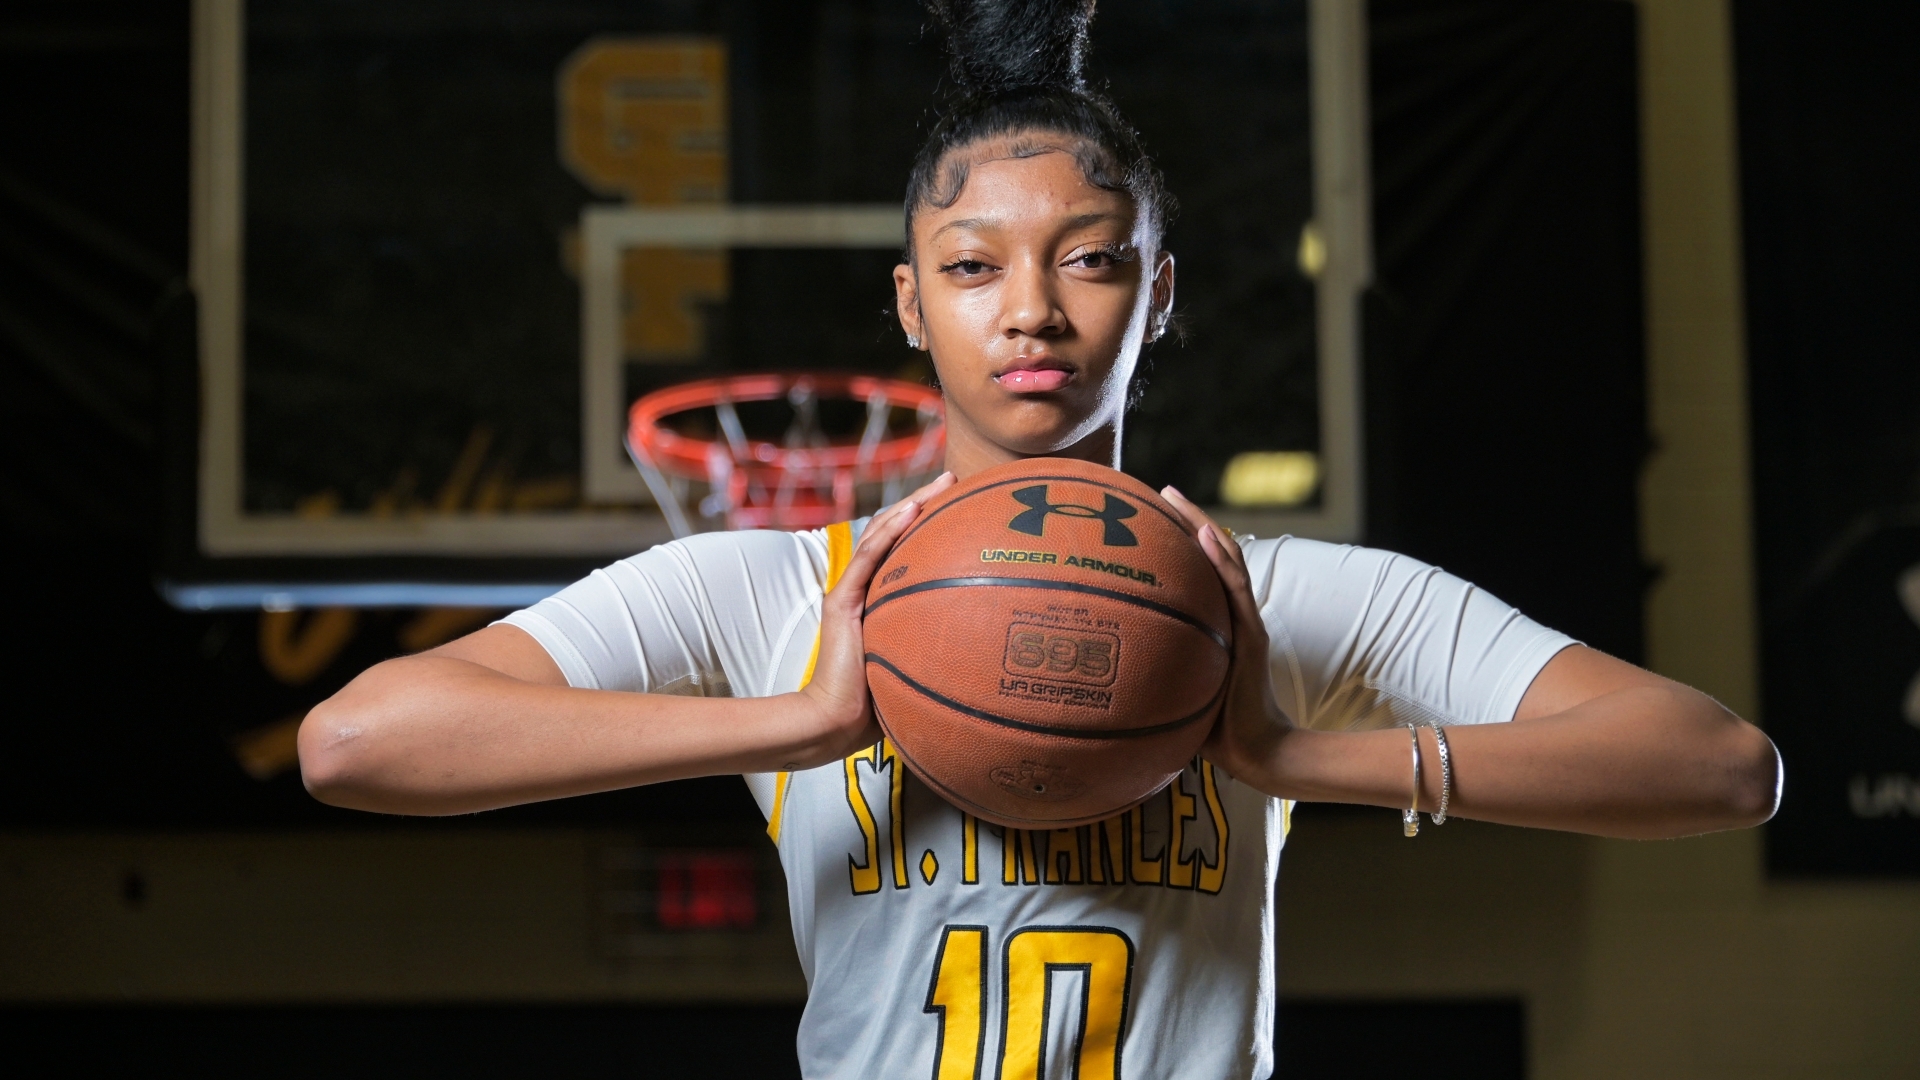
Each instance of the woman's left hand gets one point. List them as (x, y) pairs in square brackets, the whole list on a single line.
[(1246, 739)]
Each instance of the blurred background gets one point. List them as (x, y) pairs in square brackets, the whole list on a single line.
[(319, 321)]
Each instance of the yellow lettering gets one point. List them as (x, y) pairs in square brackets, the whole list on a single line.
[(667, 292), (646, 119), (865, 875), (297, 651), (1002, 555), (1179, 869), (1063, 846), (1214, 875), (1107, 853), (1105, 956), (1143, 870), (1016, 858), (897, 818), (959, 996), (969, 850)]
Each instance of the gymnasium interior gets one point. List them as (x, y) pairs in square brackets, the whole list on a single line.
[(321, 322)]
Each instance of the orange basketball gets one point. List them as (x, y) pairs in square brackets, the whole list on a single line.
[(1047, 645)]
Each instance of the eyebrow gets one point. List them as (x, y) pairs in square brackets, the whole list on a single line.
[(981, 224), (1096, 218), (973, 224)]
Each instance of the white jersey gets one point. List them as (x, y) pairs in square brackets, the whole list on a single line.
[(939, 946)]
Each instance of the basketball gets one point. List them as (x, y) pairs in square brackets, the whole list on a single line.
[(1047, 645)]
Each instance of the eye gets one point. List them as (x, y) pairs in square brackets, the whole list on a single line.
[(966, 268), (1103, 257)]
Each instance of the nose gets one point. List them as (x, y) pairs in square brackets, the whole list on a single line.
[(1030, 301)]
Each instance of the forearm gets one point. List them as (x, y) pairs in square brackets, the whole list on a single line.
[(439, 735), (1646, 762)]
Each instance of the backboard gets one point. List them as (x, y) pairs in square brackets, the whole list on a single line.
[(440, 247)]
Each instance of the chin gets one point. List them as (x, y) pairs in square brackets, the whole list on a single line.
[(1045, 440), (1040, 425)]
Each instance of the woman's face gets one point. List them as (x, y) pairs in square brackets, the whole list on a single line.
[(1033, 292)]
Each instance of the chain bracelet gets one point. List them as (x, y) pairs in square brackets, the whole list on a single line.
[(1446, 776)]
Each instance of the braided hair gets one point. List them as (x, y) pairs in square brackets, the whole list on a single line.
[(1018, 73)]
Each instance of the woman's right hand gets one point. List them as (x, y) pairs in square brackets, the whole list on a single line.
[(837, 696)]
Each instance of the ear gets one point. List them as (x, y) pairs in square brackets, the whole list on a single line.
[(906, 303), (1160, 308)]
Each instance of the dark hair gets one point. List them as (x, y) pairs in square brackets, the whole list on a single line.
[(1018, 70)]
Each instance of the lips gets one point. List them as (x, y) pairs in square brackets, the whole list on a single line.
[(1034, 375)]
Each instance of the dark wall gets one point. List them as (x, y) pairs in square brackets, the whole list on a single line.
[(1504, 358), (1830, 170)]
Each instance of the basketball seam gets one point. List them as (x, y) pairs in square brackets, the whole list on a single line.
[(1156, 606), (1045, 729), (1176, 519)]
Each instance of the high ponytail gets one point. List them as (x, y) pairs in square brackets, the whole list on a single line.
[(1014, 45), (1018, 70)]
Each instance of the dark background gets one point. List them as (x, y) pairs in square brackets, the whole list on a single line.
[(1504, 359), (405, 207), (1830, 172), (1504, 403), (1321, 1040), (1504, 399)]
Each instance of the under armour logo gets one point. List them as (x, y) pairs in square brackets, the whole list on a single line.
[(1033, 520)]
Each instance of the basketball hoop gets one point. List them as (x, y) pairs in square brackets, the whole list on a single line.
[(806, 479)]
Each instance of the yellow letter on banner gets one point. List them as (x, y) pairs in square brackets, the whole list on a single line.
[(1104, 956), (645, 118)]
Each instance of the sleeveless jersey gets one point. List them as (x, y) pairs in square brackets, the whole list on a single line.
[(937, 945)]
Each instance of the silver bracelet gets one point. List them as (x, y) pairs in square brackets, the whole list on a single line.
[(1410, 817), (1446, 775)]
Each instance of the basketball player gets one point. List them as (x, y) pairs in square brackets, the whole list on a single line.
[(939, 946)]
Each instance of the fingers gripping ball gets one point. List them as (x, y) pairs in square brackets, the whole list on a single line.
[(1047, 645)]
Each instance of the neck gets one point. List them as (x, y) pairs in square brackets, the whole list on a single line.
[(969, 452)]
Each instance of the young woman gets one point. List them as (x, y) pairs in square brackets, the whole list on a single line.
[(939, 946)]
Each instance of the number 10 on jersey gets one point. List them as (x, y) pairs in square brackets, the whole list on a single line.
[(1101, 955)]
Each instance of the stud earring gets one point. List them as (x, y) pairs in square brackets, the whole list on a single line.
[(913, 341)]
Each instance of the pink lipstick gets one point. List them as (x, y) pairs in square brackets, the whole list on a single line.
[(1036, 380), (1038, 373)]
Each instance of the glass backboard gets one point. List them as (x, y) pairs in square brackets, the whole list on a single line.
[(440, 247)]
